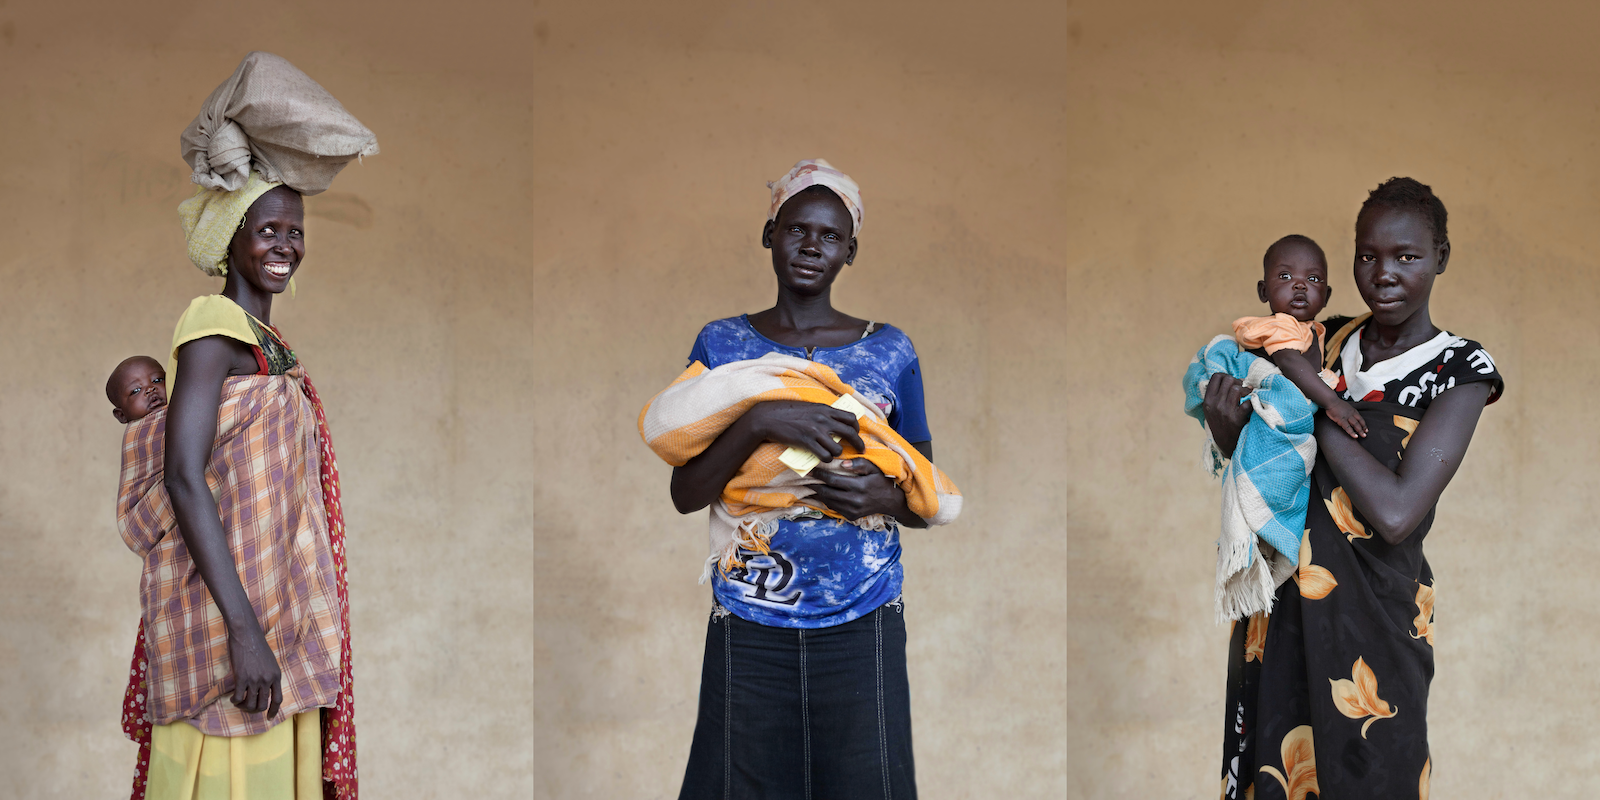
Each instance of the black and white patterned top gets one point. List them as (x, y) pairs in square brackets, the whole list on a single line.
[(1414, 377)]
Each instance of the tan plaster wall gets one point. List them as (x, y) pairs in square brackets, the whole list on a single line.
[(1063, 201)]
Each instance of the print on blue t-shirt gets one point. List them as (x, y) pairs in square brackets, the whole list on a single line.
[(823, 571)]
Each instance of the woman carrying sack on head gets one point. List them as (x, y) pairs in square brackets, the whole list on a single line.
[(241, 682)]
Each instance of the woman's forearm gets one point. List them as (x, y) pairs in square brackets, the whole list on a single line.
[(192, 416), (201, 528), (1381, 496), (699, 482), (1395, 503), (906, 517)]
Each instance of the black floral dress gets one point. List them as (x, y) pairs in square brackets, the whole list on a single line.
[(1328, 695)]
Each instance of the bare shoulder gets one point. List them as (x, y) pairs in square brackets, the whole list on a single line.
[(213, 354)]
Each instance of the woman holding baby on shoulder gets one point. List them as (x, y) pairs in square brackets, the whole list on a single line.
[(1328, 693)]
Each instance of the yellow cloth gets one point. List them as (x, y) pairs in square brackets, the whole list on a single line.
[(1276, 332), (210, 218), (211, 315), (686, 417), (284, 763)]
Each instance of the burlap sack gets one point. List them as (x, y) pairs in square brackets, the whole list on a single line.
[(274, 116)]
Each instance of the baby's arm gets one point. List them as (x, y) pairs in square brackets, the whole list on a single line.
[(1303, 373)]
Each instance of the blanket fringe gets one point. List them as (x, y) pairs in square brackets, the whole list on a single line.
[(754, 533), (751, 534), (876, 522), (1245, 590)]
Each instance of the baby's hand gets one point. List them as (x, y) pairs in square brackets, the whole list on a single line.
[(1348, 418)]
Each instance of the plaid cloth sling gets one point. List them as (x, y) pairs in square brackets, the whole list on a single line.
[(287, 536)]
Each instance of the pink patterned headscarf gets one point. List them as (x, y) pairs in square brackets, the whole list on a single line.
[(816, 172)]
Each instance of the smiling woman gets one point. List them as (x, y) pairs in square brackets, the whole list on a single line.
[(241, 679), (260, 527)]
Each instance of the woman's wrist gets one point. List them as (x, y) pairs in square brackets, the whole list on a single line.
[(746, 430), (240, 618), (908, 518)]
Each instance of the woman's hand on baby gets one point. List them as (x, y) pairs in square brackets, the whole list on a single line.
[(1348, 418), (809, 426), (863, 490), (1226, 411), (257, 681)]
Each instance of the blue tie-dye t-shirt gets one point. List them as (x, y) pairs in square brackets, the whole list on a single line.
[(823, 572)]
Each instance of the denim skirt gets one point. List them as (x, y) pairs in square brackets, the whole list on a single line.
[(808, 714)]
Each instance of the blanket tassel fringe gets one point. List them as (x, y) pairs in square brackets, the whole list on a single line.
[(755, 535), (1247, 577)]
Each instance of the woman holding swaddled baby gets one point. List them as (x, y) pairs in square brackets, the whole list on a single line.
[(803, 429)]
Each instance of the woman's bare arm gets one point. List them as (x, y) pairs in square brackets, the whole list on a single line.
[(698, 483), (1394, 503), (810, 426), (866, 491), (192, 414)]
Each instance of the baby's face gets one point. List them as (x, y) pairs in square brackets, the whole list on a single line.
[(137, 388), (1295, 282)]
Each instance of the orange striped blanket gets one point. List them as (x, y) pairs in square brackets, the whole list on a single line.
[(686, 417)]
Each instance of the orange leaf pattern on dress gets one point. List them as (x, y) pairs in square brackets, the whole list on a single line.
[(1315, 582), (1424, 620), (1422, 782), (1358, 698), (1408, 425), (1344, 516), (1300, 764), (1255, 637)]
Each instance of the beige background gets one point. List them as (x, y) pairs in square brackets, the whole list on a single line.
[(1063, 202)]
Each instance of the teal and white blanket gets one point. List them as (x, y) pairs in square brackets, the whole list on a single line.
[(1267, 483)]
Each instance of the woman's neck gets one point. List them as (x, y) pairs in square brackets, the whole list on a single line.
[(1379, 341), (255, 302), (800, 313)]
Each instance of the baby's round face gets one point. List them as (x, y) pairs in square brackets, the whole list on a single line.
[(1295, 281), (138, 387)]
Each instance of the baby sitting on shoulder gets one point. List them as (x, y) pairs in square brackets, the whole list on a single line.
[(1294, 285), (1266, 481)]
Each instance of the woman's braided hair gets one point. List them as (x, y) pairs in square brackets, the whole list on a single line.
[(1408, 194)]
